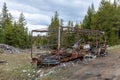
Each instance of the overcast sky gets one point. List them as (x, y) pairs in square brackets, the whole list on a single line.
[(38, 13)]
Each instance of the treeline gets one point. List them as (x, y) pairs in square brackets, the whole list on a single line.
[(67, 38), (13, 32), (106, 18), (51, 39)]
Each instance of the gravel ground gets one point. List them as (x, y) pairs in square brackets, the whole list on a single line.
[(102, 68)]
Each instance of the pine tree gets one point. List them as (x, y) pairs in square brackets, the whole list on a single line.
[(67, 37), (107, 19), (1, 31), (21, 20), (14, 34), (3, 22), (22, 32), (4, 16), (6, 26), (54, 27), (8, 30), (87, 23), (70, 23)]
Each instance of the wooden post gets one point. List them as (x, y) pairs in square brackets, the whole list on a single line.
[(58, 42), (31, 45)]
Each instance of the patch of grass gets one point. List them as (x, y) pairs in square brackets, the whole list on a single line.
[(51, 77), (62, 74), (18, 67), (114, 47), (1, 51), (22, 73)]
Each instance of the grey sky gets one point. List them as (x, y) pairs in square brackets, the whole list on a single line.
[(38, 13)]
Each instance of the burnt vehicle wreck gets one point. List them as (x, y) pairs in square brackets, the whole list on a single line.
[(80, 50)]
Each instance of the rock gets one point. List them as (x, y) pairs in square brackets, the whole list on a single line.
[(24, 71), (39, 71), (29, 74), (9, 49)]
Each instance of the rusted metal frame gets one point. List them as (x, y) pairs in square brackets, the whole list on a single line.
[(31, 45), (96, 32), (37, 30), (93, 32), (59, 42)]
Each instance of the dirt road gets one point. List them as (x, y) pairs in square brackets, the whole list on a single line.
[(102, 68)]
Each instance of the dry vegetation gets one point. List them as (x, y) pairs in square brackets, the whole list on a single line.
[(16, 63), (18, 67)]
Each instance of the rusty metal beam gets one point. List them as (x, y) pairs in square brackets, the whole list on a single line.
[(38, 30), (31, 45)]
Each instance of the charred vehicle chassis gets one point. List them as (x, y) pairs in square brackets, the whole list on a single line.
[(79, 51)]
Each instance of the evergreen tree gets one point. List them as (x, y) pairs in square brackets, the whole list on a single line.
[(107, 19), (3, 22), (87, 23), (9, 39), (7, 26), (4, 16), (67, 37), (14, 34), (54, 28), (70, 23), (1, 31), (22, 32)]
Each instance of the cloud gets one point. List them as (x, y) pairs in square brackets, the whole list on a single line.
[(34, 27), (37, 18), (39, 12)]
